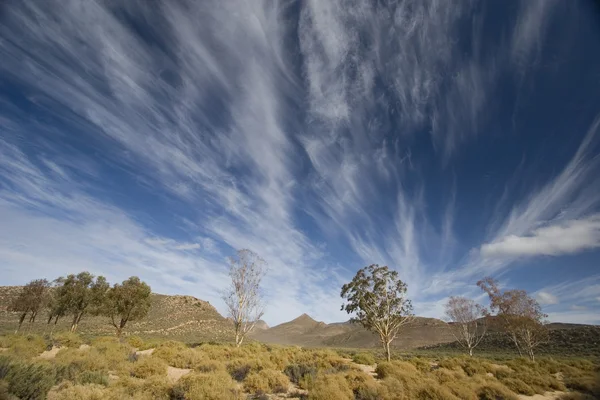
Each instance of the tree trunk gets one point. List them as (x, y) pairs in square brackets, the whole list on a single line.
[(74, 323), (237, 338), (21, 319), (471, 351), (386, 347)]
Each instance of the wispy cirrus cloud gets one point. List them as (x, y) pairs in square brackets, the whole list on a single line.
[(320, 135)]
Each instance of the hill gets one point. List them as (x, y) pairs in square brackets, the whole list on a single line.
[(184, 318), (305, 331)]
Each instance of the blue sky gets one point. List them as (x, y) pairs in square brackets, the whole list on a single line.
[(448, 140)]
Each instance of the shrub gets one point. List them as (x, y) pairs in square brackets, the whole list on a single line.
[(364, 358), (25, 346), (421, 364), (135, 341), (392, 389), (432, 391), (330, 387), (30, 381), (494, 391), (395, 369), (300, 372), (214, 386), (518, 386), (266, 381), (67, 339), (362, 385), (78, 392), (210, 366), (93, 377), (178, 355), (148, 366)]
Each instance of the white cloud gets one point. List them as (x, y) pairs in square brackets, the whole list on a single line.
[(563, 238), (545, 298), (576, 307)]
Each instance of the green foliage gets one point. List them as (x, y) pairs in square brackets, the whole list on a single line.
[(30, 381), (31, 300), (377, 299), (148, 366), (126, 302), (93, 377), (364, 358), (78, 294)]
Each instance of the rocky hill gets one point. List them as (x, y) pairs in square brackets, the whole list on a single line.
[(178, 317), (305, 331)]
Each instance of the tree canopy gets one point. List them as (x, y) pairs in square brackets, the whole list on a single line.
[(128, 301), (376, 298)]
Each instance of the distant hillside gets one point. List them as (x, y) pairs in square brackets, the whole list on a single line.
[(305, 331), (179, 317)]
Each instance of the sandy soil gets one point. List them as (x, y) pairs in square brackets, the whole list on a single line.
[(84, 347), (49, 354), (144, 352), (545, 396), (174, 374)]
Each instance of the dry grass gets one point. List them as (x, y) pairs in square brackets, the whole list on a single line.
[(110, 369)]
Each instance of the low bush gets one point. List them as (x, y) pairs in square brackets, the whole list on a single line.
[(362, 385), (30, 381), (148, 366), (266, 381), (330, 387), (92, 377), (301, 373), (213, 386), (210, 366), (364, 358), (25, 347), (135, 341), (67, 339), (178, 355), (69, 391), (396, 369), (518, 386), (494, 391)]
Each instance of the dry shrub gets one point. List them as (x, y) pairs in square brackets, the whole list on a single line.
[(396, 369), (330, 387), (148, 366), (577, 396), (67, 339), (301, 374), (135, 341), (266, 381), (24, 346), (213, 386), (92, 377), (392, 389), (69, 391), (210, 366), (518, 386), (362, 385), (364, 358), (421, 364), (433, 391), (178, 355), (494, 391)]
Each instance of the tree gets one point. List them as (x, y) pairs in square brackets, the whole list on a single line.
[(468, 321), (126, 302), (56, 306), (244, 298), (521, 316), (81, 293), (30, 301), (377, 298)]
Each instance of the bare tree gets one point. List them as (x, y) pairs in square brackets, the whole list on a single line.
[(377, 297), (520, 314), (244, 298), (468, 321)]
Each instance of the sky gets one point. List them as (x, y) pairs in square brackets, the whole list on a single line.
[(448, 140)]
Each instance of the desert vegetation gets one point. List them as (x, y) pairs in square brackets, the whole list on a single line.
[(112, 368), (65, 364)]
